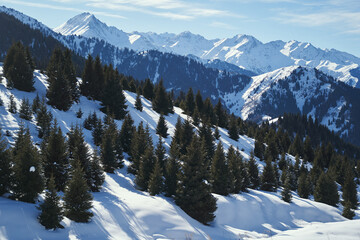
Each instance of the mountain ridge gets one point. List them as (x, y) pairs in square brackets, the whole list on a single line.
[(242, 50)]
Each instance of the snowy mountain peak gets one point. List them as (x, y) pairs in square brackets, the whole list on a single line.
[(81, 25)]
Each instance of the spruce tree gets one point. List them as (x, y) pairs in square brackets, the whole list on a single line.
[(12, 104), (97, 132), (79, 152), (77, 198), (87, 77), (348, 212), (237, 172), (268, 180), (216, 133), (43, 120), (17, 69), (160, 153), (138, 146), (349, 190), (6, 172), (35, 104), (108, 151), (259, 149), (138, 103), (28, 180), (79, 113), (189, 102), (221, 115), (148, 89), (147, 161), (207, 144), (196, 117), (161, 128), (126, 133), (55, 158), (219, 172), (70, 75), (199, 101), (193, 193), (156, 179), (160, 101), (59, 91), (25, 111), (171, 170), (186, 136), (98, 80), (51, 211), (326, 190), (97, 174), (253, 171), (304, 186), (233, 130), (286, 192), (113, 98)]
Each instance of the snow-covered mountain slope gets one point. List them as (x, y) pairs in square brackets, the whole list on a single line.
[(241, 50), (298, 89), (123, 212)]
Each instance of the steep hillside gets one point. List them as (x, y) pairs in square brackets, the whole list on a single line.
[(123, 212), (298, 89)]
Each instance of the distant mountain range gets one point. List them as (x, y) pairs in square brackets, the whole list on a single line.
[(268, 83), (241, 50)]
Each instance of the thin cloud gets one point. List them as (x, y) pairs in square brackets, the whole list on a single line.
[(223, 25)]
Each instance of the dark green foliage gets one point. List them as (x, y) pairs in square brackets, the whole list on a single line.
[(268, 180), (219, 172), (349, 189), (199, 102), (304, 186), (156, 179), (196, 117), (51, 212), (79, 152), (161, 128), (28, 181), (12, 104), (97, 132), (207, 144), (161, 102), (348, 212), (238, 177), (113, 99), (171, 170), (98, 80), (193, 193), (208, 115), (189, 105), (271, 151), (126, 133), (216, 133), (253, 171), (25, 111), (59, 92), (259, 149), (326, 190), (77, 198), (17, 69), (109, 156), (138, 103), (233, 129), (147, 161), (186, 136), (160, 152), (5, 167), (308, 150), (97, 174), (79, 113), (221, 115), (55, 158), (70, 74), (43, 120), (35, 104), (87, 77), (286, 192), (148, 89), (140, 142)]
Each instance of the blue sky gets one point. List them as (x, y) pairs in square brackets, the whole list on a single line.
[(324, 23)]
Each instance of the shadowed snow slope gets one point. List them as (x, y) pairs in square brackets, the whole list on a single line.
[(123, 212)]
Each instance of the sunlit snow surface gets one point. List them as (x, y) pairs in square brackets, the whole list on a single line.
[(123, 212)]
